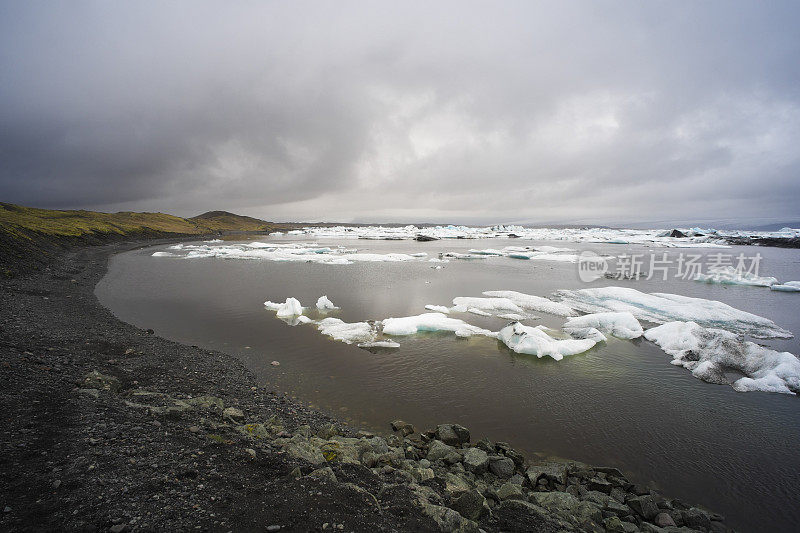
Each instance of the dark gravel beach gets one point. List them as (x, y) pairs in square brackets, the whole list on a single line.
[(108, 427)]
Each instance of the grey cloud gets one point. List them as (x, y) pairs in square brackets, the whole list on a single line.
[(457, 111)]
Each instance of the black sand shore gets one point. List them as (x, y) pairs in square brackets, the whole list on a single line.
[(107, 427)]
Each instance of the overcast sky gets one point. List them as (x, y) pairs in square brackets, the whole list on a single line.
[(476, 112)]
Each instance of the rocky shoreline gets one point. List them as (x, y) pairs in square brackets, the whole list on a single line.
[(107, 427)]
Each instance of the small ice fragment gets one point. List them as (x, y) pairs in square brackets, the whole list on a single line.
[(430, 322), (730, 276), (379, 344), (324, 304), (438, 308), (463, 303), (164, 254), (479, 312)]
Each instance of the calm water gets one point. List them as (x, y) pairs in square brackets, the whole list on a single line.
[(620, 404)]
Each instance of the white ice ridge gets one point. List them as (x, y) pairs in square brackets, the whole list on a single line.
[(291, 307), (543, 253), (533, 303), (709, 352), (730, 276), (622, 325), (324, 304), (410, 325), (438, 308), (686, 238), (661, 307), (164, 254), (289, 252), (789, 286), (534, 341)]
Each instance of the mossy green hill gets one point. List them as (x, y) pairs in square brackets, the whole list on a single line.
[(28, 235), (25, 221)]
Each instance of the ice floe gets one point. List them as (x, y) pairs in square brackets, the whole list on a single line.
[(464, 303), (730, 276), (710, 352), (535, 341), (622, 325), (479, 312), (324, 304), (662, 307), (533, 303), (347, 332), (438, 308), (788, 286), (291, 307), (164, 254), (410, 325)]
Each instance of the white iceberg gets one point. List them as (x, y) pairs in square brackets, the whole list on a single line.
[(516, 316), (410, 325), (164, 254), (710, 352), (291, 307), (438, 308), (730, 276), (586, 333), (534, 341), (353, 332), (662, 307), (622, 325), (533, 303), (324, 304), (789, 286)]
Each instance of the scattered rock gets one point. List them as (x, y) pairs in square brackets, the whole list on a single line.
[(644, 506), (402, 427), (96, 380), (510, 491), (471, 505), (452, 434), (502, 467), (233, 413), (664, 520), (476, 461)]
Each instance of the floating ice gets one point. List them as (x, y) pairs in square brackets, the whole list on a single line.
[(586, 333), (710, 352), (324, 304), (516, 316), (431, 322), (789, 286), (622, 325), (479, 312), (291, 307), (463, 303), (534, 341), (438, 308), (662, 307), (379, 344), (730, 276), (164, 254), (354, 332), (534, 303)]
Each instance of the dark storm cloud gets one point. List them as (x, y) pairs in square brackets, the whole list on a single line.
[(604, 111)]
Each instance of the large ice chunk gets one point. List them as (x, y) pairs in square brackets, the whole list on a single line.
[(622, 325), (534, 341), (710, 352), (533, 303), (663, 307), (360, 332), (431, 322), (291, 307), (730, 276)]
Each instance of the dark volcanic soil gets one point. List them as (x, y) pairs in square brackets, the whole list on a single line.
[(107, 427), (73, 461)]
